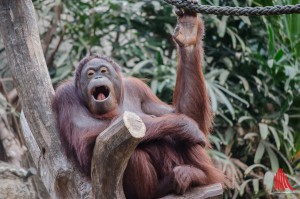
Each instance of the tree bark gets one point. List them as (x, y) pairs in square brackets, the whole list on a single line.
[(112, 151), (12, 148), (20, 36), (14, 183)]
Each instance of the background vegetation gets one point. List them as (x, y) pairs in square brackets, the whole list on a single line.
[(252, 70)]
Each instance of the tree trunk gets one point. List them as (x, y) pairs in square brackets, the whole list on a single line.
[(20, 36)]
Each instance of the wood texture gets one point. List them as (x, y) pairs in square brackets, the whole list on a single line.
[(112, 151), (14, 182), (20, 36), (214, 191), (11, 145)]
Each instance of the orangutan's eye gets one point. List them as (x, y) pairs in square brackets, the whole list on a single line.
[(103, 70), (90, 73)]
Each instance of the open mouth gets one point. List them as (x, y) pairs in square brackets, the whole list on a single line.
[(100, 93)]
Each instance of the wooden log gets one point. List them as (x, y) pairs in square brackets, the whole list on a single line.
[(112, 151), (214, 191)]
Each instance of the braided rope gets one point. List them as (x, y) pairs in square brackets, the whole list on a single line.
[(234, 11)]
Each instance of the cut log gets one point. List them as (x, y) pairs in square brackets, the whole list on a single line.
[(112, 151)]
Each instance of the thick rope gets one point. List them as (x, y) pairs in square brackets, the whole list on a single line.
[(234, 11)]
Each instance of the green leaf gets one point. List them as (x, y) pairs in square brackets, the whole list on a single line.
[(268, 181), (287, 162), (271, 40), (275, 136), (243, 46), (159, 57), (263, 129), (156, 5), (255, 183), (284, 123), (235, 3), (162, 85), (223, 77), (222, 26), (273, 159), (279, 55), (229, 135), (213, 74), (288, 102), (216, 141), (244, 118), (225, 118), (213, 98), (250, 135), (253, 166), (246, 20), (233, 39), (136, 69), (245, 82), (225, 100), (242, 187), (233, 95), (227, 62), (270, 63), (291, 72), (154, 85), (61, 73), (259, 153)]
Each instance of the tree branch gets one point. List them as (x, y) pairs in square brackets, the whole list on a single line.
[(50, 33), (23, 48), (112, 151)]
